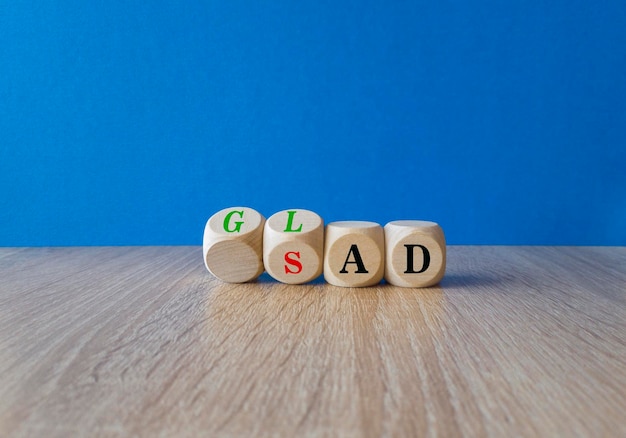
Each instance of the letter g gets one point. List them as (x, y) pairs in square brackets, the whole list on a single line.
[(237, 223)]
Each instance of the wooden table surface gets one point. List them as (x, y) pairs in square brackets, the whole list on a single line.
[(142, 341)]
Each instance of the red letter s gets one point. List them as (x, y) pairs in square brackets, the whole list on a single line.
[(293, 262)]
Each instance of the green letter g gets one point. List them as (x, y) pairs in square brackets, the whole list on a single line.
[(237, 224)]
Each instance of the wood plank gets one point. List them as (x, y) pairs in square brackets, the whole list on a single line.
[(143, 341)]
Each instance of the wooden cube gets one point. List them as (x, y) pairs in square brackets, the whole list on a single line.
[(293, 246), (354, 254), (416, 253), (233, 244)]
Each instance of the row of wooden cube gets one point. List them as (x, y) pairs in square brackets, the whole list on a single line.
[(294, 247)]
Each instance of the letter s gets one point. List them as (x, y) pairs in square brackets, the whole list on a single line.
[(292, 261)]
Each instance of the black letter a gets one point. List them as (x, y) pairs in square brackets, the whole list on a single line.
[(357, 259), (409, 259)]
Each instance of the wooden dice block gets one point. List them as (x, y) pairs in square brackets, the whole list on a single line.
[(233, 244), (293, 246), (354, 254), (416, 253)]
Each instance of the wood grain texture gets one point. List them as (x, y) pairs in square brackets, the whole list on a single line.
[(515, 341)]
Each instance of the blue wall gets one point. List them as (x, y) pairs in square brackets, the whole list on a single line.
[(133, 122)]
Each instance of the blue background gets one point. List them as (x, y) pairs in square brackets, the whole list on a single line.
[(132, 122)]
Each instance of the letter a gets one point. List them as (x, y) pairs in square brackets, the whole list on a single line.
[(357, 259), (409, 259)]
